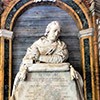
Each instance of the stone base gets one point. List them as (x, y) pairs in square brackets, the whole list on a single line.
[(47, 85)]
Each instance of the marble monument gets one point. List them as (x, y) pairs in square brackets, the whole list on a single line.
[(44, 73)]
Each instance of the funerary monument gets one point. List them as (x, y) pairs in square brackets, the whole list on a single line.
[(44, 73)]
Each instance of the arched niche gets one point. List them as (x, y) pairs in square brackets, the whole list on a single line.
[(31, 25), (81, 16), (75, 8)]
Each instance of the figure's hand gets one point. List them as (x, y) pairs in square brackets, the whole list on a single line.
[(73, 73)]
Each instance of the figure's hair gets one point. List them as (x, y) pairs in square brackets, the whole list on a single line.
[(49, 26)]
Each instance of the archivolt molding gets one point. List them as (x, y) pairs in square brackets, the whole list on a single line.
[(85, 10), (7, 11), (44, 0), (62, 4)]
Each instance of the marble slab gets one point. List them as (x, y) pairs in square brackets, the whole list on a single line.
[(49, 67), (47, 85)]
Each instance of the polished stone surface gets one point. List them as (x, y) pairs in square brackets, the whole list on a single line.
[(47, 85)]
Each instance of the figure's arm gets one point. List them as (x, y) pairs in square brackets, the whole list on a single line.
[(50, 58), (59, 56), (32, 53)]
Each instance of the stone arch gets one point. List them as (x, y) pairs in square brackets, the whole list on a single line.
[(75, 8)]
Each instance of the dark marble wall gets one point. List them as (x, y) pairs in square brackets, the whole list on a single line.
[(6, 69)]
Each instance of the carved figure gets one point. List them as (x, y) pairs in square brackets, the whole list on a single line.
[(48, 49)]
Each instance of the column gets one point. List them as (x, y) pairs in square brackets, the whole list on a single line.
[(95, 47), (98, 23), (86, 46), (5, 63), (98, 69)]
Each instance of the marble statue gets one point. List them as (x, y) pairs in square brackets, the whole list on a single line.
[(50, 50)]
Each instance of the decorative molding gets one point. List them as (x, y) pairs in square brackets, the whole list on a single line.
[(97, 7), (6, 33), (6, 3), (92, 7), (90, 4), (86, 32), (78, 13), (44, 1)]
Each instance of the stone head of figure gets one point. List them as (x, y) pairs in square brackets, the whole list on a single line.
[(53, 30)]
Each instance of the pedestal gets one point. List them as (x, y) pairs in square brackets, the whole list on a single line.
[(47, 82)]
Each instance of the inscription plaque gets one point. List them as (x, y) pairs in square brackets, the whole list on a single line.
[(47, 85)]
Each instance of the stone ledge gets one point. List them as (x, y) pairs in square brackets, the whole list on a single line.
[(86, 32), (6, 33), (49, 67)]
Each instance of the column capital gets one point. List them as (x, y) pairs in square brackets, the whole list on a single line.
[(6, 33), (86, 32)]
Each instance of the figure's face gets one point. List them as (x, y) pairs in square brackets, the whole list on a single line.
[(53, 33)]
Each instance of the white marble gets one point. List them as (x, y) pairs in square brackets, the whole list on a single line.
[(49, 67), (86, 32), (47, 56), (46, 85), (48, 49), (6, 33)]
